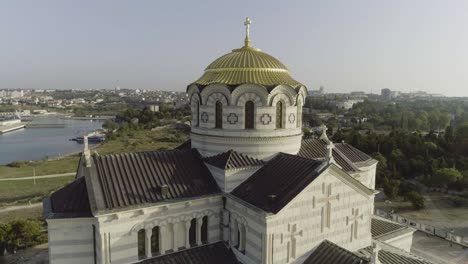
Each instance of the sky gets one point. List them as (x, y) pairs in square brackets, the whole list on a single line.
[(359, 45)]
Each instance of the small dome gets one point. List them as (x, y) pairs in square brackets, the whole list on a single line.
[(247, 65)]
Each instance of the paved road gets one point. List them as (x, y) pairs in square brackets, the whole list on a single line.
[(40, 177), (437, 249)]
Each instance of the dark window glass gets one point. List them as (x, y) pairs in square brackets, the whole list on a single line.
[(299, 115), (193, 232), (141, 244), (219, 115), (155, 241), (198, 113), (204, 230), (249, 115), (279, 114)]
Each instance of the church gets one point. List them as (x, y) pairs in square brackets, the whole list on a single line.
[(246, 188)]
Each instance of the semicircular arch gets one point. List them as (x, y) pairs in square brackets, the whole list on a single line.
[(215, 88), (259, 90)]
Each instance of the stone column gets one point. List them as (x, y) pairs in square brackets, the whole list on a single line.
[(199, 225), (148, 233), (187, 234), (233, 233), (162, 239)]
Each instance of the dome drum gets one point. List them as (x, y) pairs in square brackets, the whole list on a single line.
[(247, 101)]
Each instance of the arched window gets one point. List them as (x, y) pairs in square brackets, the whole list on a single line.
[(249, 115), (198, 114), (299, 114), (141, 244), (155, 241), (279, 114), (244, 239), (204, 230), (219, 115), (193, 232)]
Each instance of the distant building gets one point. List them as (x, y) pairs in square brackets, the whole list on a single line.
[(318, 92), (386, 94), (154, 108), (347, 104)]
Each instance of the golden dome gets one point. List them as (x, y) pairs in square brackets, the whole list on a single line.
[(247, 65)]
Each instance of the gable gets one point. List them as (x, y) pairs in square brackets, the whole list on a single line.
[(280, 180), (316, 186)]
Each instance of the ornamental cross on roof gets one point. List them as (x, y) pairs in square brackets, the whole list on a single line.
[(247, 31)]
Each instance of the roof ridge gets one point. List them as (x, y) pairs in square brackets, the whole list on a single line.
[(357, 254)]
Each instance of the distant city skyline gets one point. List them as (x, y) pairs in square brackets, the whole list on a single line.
[(344, 46)]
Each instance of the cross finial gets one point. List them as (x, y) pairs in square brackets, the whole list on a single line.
[(324, 132), (247, 31), (330, 147)]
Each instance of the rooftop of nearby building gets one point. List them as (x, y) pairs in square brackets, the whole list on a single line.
[(330, 253), (385, 229), (208, 254)]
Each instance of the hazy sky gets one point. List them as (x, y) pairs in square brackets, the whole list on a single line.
[(343, 45)]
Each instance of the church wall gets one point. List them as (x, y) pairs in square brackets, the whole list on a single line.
[(122, 228), (218, 175), (261, 148), (71, 240), (306, 222), (367, 175), (254, 222), (403, 242), (228, 180)]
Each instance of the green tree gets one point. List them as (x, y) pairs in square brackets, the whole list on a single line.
[(21, 233), (109, 125), (416, 200), (446, 176), (390, 187)]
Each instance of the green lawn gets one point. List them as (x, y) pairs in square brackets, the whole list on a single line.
[(143, 140), (28, 213), (24, 191), (66, 164)]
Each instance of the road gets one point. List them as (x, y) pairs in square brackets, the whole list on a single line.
[(40, 177), (437, 249)]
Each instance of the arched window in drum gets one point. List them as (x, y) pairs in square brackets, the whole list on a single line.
[(219, 114), (249, 115), (279, 114)]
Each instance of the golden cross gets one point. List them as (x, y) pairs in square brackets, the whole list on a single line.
[(247, 31)]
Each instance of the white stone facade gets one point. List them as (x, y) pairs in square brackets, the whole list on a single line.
[(116, 234), (290, 235)]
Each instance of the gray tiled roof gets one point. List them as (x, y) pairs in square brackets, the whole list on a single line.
[(330, 253), (70, 201), (216, 253), (186, 145), (284, 176), (392, 255), (352, 153), (233, 160), (381, 228), (130, 179), (313, 148)]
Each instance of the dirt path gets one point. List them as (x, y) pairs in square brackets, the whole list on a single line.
[(40, 177), (19, 207)]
